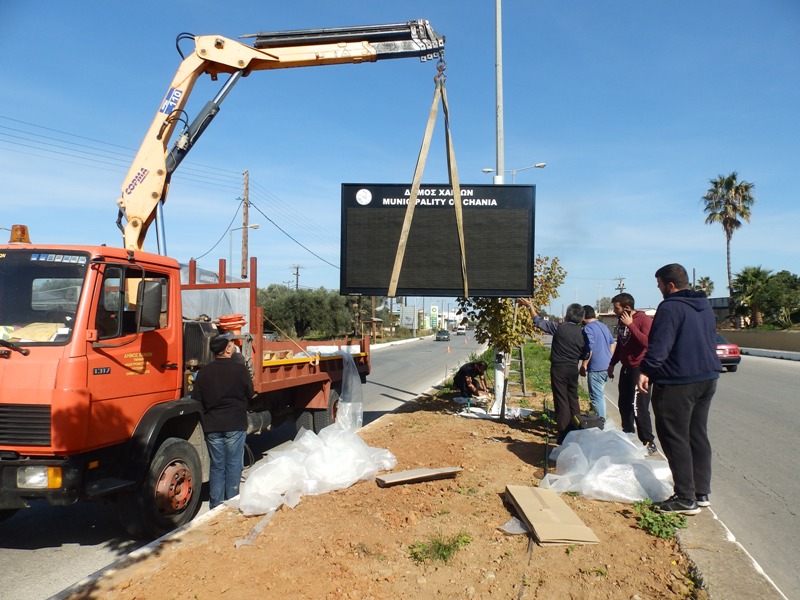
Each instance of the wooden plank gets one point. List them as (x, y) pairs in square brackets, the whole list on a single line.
[(548, 517), (416, 475)]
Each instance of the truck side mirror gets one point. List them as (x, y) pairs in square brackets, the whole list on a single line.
[(148, 307)]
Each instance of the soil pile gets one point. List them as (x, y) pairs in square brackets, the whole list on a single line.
[(364, 542)]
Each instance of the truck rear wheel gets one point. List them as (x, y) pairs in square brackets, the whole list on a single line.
[(170, 494), (318, 419), (323, 418)]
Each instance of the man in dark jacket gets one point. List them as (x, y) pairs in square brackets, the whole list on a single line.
[(569, 346), (681, 366), (224, 387), (470, 379)]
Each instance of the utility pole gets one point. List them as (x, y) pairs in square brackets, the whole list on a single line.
[(245, 222), (621, 285), (599, 288), (296, 274)]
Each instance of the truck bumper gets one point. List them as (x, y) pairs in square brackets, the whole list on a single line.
[(64, 480)]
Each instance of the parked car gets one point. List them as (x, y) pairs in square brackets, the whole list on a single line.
[(728, 353), (443, 335)]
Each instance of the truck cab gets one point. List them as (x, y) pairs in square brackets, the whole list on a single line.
[(90, 342)]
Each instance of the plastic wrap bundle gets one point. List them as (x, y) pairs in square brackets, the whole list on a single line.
[(608, 465), (350, 413), (312, 464)]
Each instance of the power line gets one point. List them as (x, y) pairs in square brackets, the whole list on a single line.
[(191, 174), (284, 232)]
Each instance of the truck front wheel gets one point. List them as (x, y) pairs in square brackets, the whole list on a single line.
[(170, 493)]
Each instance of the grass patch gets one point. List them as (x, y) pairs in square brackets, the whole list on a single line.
[(661, 525), (438, 548)]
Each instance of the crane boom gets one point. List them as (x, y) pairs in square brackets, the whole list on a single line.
[(144, 189)]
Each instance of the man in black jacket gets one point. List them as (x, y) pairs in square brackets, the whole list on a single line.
[(569, 346), (224, 387), (470, 379), (682, 367)]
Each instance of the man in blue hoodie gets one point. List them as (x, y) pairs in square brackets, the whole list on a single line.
[(682, 366)]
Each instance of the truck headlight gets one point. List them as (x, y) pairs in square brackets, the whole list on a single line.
[(39, 478)]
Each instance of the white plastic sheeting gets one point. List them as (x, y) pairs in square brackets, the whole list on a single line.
[(312, 464), (350, 412), (608, 465), (493, 412)]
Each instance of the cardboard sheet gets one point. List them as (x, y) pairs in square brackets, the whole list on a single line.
[(416, 475), (548, 517)]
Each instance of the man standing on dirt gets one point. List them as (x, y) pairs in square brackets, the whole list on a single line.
[(632, 331), (224, 387), (682, 367), (595, 367), (567, 348)]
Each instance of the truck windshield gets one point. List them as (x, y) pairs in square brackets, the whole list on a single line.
[(39, 294)]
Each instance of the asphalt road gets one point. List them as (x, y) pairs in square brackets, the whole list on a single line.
[(45, 549), (752, 426)]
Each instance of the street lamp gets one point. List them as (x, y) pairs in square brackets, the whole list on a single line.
[(515, 171), (230, 246)]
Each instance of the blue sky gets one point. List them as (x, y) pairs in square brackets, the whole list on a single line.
[(633, 105)]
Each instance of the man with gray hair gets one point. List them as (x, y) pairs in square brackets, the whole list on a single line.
[(569, 346)]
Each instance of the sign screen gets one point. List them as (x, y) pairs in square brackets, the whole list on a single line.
[(498, 230)]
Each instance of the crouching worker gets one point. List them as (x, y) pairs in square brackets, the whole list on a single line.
[(470, 380)]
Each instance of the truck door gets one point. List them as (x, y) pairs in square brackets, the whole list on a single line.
[(129, 371)]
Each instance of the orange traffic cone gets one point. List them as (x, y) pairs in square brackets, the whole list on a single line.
[(448, 349), (465, 340)]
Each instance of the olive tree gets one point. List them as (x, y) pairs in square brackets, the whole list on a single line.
[(499, 323)]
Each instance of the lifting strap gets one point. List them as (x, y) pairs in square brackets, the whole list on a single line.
[(439, 94)]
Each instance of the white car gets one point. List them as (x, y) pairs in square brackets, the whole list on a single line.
[(461, 330)]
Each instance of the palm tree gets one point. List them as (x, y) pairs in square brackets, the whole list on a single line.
[(705, 285), (728, 202), (749, 285)]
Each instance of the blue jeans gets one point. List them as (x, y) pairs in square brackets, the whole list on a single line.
[(597, 383), (226, 449)]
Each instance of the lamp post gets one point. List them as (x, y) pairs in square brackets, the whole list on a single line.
[(515, 171), (230, 245)]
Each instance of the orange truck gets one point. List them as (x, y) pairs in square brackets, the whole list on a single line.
[(99, 345)]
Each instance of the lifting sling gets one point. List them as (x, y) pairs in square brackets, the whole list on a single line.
[(439, 94)]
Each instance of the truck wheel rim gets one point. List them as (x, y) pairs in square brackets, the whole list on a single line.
[(174, 488)]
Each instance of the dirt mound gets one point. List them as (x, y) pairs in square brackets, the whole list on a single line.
[(356, 543)]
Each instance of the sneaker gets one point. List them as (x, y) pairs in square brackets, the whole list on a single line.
[(651, 448), (678, 505), (702, 500)]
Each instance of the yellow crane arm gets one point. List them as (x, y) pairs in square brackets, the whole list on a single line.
[(144, 189)]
